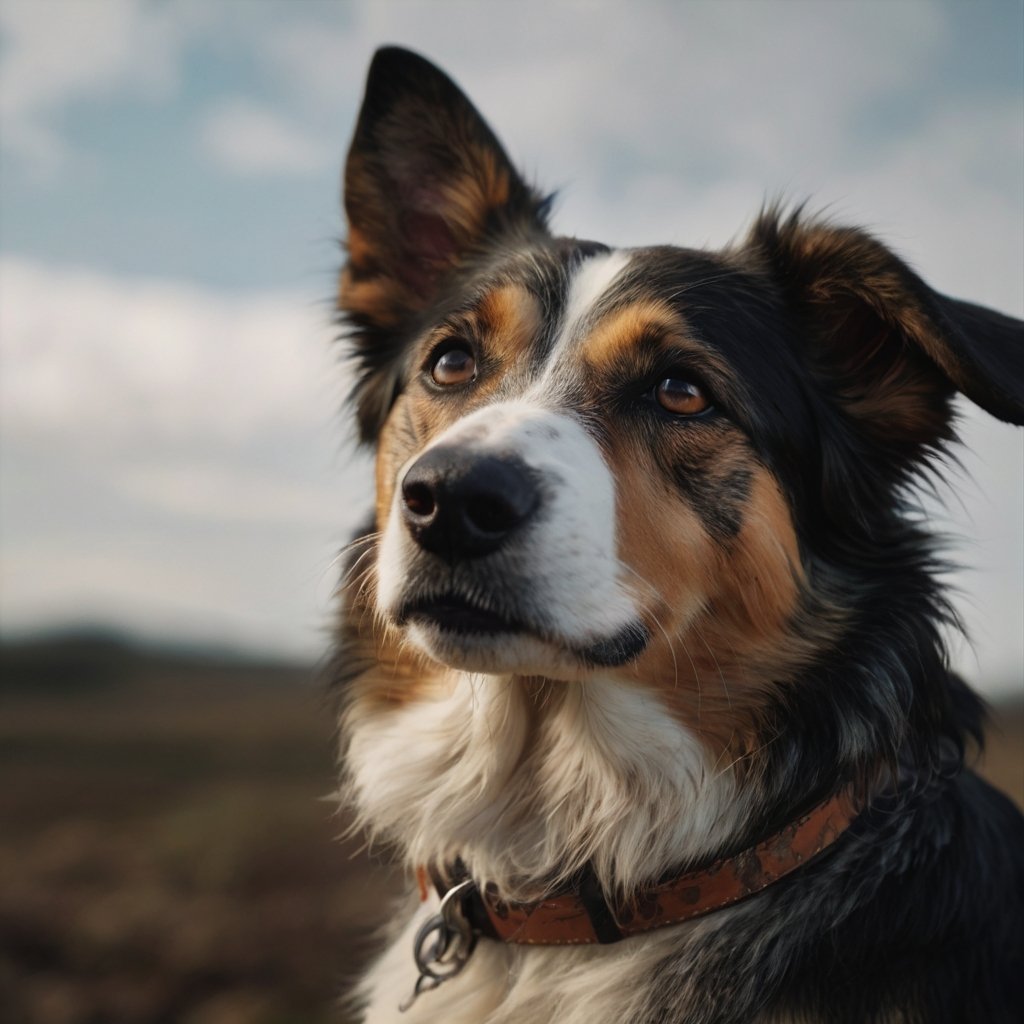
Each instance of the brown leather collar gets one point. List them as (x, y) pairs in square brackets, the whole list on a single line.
[(584, 916)]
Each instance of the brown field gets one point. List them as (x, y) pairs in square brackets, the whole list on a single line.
[(166, 853)]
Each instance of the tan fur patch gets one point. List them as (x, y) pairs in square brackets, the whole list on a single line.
[(467, 199), (620, 330), (508, 317), (508, 321), (360, 250), (720, 617), (379, 299), (860, 298), (400, 673), (759, 584)]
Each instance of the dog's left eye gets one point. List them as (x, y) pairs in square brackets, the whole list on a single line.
[(454, 366), (682, 397)]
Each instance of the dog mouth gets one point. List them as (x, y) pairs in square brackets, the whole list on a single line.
[(455, 613), (460, 618)]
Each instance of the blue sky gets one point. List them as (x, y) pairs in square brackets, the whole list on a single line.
[(171, 453)]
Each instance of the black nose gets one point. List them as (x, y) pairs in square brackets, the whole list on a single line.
[(461, 505)]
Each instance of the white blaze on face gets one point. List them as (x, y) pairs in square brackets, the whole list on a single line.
[(560, 572), (592, 279)]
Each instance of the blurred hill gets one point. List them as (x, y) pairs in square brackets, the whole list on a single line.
[(86, 658), (165, 848)]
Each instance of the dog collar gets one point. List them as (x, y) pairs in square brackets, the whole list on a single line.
[(584, 916)]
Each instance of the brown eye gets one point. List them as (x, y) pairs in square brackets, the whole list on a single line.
[(682, 397), (456, 366)]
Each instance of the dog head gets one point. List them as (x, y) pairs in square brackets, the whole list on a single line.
[(682, 469)]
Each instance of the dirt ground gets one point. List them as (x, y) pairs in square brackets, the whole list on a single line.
[(169, 852)]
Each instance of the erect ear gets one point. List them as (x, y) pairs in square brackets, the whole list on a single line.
[(892, 349), (428, 189)]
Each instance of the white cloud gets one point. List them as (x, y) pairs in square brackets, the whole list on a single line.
[(246, 138), (945, 196), (649, 82), (322, 61), (949, 196), (204, 490), (172, 458), (177, 362), (277, 599), (56, 52)]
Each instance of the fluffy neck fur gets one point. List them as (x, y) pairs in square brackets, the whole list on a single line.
[(527, 783)]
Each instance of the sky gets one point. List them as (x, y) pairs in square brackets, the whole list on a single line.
[(174, 456)]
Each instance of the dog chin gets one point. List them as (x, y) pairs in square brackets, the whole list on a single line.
[(525, 653)]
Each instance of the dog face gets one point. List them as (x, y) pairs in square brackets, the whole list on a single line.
[(668, 467), (563, 486)]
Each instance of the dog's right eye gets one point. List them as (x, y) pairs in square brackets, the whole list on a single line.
[(454, 366)]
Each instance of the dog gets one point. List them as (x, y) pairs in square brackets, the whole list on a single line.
[(640, 661)]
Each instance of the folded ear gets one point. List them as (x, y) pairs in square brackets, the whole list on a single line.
[(893, 349), (428, 190)]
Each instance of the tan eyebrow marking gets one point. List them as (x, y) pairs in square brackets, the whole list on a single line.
[(509, 317), (651, 322), (623, 327)]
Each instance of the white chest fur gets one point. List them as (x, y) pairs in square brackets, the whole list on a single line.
[(599, 773)]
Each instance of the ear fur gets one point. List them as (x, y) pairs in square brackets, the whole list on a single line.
[(893, 348), (428, 189)]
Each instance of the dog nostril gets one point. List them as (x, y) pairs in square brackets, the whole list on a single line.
[(419, 499)]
